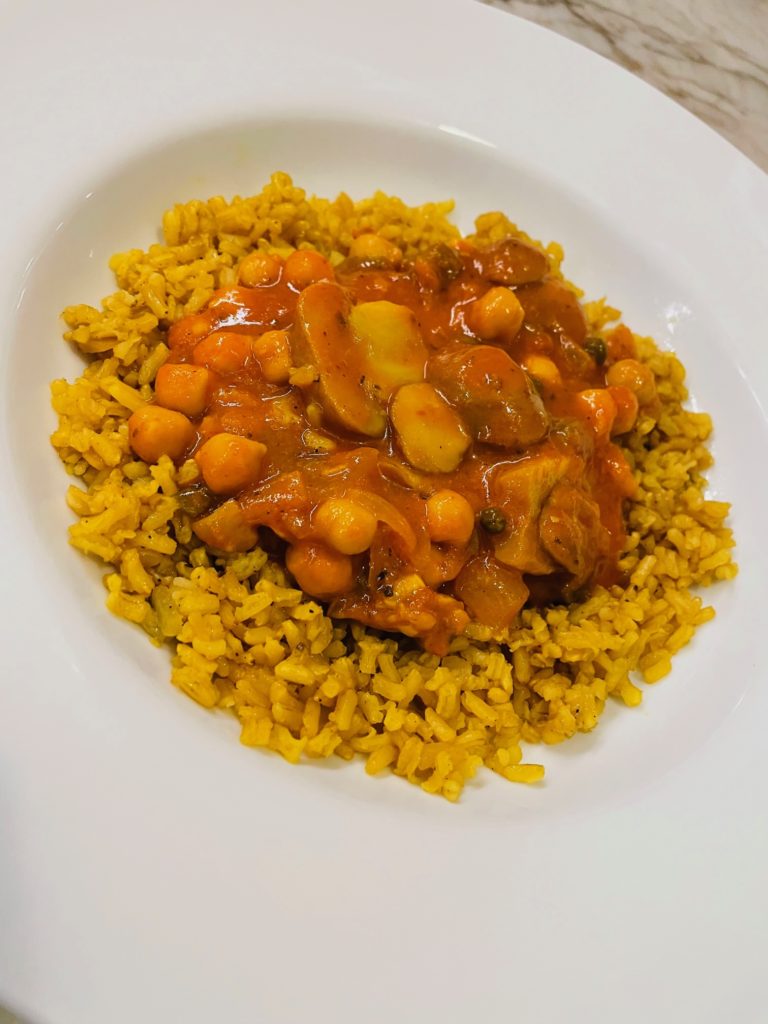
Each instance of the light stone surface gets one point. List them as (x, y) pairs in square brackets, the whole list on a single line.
[(709, 55)]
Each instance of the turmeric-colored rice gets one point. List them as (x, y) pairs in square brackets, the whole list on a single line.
[(246, 640)]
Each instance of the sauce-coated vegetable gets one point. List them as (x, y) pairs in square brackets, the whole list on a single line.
[(432, 440)]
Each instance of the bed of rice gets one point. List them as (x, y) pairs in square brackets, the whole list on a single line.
[(245, 639)]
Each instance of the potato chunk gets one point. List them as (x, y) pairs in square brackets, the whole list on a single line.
[(324, 340), (361, 355), (428, 430), (393, 350)]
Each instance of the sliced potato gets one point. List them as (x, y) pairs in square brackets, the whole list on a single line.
[(324, 340), (428, 430), (394, 352)]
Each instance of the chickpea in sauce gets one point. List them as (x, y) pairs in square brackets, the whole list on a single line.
[(433, 440)]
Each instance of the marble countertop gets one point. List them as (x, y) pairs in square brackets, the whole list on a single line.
[(709, 55)]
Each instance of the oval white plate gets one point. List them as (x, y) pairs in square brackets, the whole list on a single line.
[(151, 868)]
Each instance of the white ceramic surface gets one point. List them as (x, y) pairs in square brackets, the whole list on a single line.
[(151, 868), (707, 55)]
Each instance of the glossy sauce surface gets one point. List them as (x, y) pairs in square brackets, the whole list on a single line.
[(433, 440)]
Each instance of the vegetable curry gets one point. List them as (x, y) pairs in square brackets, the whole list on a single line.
[(431, 441)]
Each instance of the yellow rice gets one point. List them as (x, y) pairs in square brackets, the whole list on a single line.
[(245, 639)]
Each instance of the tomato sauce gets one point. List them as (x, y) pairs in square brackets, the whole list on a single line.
[(432, 441)]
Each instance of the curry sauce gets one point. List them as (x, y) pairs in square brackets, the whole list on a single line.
[(432, 442)]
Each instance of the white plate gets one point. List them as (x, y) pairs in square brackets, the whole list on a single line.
[(151, 868)]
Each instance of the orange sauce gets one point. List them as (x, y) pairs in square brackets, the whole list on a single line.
[(540, 468)]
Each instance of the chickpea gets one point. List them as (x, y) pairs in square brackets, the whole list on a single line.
[(620, 344), (376, 249), (223, 351), (543, 369), (345, 525), (273, 351), (319, 570), (230, 462), (304, 266), (426, 274), (259, 269), (450, 517), (209, 425), (598, 409), (190, 329), (154, 431), (626, 409), (629, 373), (620, 471), (497, 314), (183, 387)]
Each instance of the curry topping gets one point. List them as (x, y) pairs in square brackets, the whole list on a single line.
[(432, 441)]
